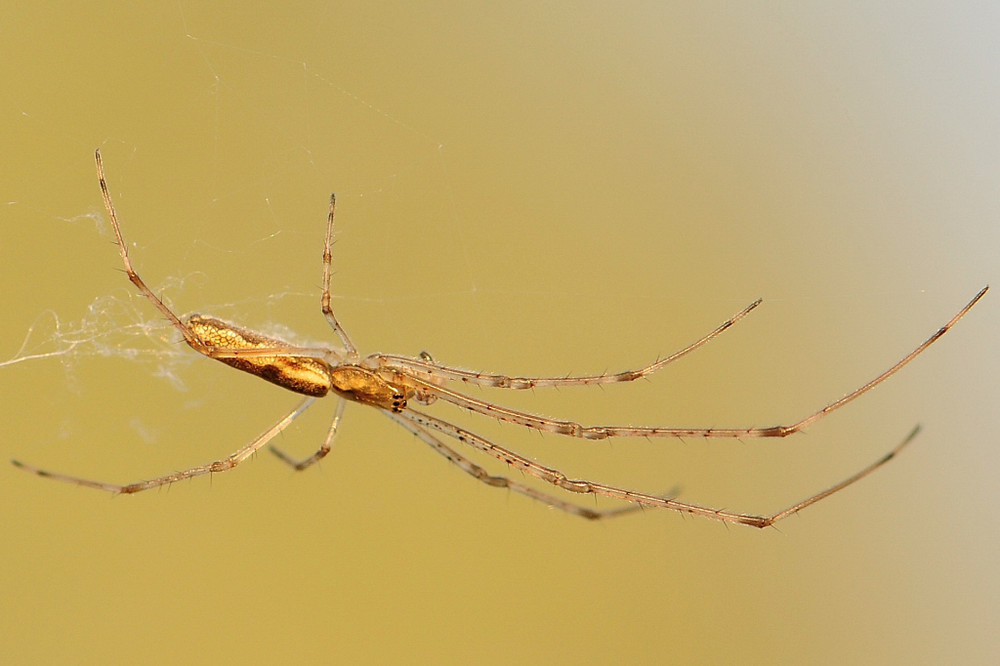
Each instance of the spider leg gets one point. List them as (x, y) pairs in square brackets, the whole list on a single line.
[(481, 474), (430, 370), (189, 337), (222, 465), (798, 506), (327, 273), (573, 429), (323, 449), (557, 478)]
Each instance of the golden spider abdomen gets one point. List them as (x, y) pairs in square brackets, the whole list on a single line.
[(302, 374)]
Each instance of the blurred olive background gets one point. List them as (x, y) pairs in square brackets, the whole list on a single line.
[(529, 188)]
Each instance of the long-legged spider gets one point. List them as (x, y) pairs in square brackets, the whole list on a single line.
[(388, 382)]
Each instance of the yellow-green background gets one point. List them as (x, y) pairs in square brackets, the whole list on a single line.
[(526, 187)]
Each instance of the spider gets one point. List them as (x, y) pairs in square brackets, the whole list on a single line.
[(390, 383)]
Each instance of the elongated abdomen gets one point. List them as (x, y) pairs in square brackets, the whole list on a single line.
[(302, 374)]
